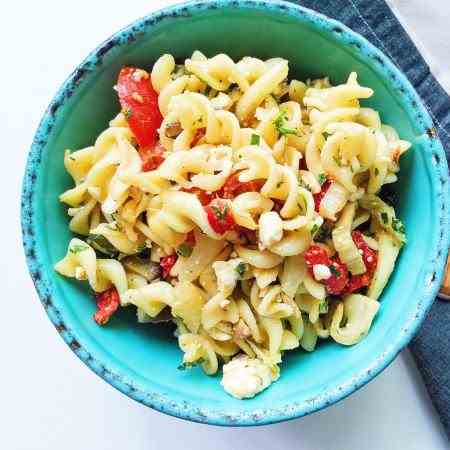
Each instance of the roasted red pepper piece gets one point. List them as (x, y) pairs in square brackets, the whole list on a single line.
[(316, 255), (357, 282), (219, 216), (204, 197), (233, 187), (339, 277), (247, 236), (339, 273), (200, 132), (152, 158), (139, 103), (277, 205), (166, 263), (190, 239), (370, 258), (107, 303)]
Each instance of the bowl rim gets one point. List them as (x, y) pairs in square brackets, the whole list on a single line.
[(157, 400)]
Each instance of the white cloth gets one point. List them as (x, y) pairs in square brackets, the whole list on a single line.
[(428, 24)]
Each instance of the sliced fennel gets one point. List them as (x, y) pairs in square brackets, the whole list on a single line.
[(333, 201), (384, 215), (358, 312), (388, 250), (309, 338), (343, 242)]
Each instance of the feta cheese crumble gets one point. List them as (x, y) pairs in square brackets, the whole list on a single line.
[(244, 377), (270, 229), (321, 272), (227, 275)]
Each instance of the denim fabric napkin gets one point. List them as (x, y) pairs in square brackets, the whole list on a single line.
[(377, 23)]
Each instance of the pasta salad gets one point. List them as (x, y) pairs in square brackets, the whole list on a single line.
[(241, 205)]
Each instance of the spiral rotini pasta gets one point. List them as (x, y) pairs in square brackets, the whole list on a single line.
[(245, 207)]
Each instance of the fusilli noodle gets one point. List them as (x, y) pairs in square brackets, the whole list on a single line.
[(244, 206)]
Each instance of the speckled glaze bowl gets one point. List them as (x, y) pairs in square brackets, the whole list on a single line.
[(141, 360)]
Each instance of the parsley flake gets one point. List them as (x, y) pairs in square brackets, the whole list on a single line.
[(219, 213), (141, 248), (323, 306), (398, 226), (334, 271), (314, 229), (279, 125), (255, 139), (78, 248), (385, 218), (100, 244), (322, 178), (184, 250), (240, 269), (189, 365), (376, 171)]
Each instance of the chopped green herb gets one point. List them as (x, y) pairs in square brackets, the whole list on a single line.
[(323, 307), (398, 226), (207, 91), (334, 271), (240, 269), (279, 125), (221, 215), (184, 250), (127, 112), (326, 135), (186, 365), (141, 248), (102, 245), (314, 229), (322, 178), (72, 158), (385, 218), (78, 248), (255, 139), (279, 184), (376, 171)]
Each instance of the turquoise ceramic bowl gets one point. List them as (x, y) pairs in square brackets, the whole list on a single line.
[(141, 361)]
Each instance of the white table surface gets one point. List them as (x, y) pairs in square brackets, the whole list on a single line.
[(49, 399)]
